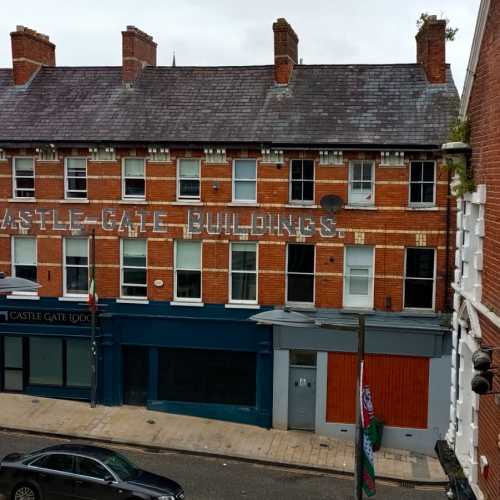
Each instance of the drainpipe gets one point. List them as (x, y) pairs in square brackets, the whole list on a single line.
[(447, 271)]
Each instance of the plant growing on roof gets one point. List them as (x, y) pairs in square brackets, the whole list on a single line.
[(457, 164), (450, 32)]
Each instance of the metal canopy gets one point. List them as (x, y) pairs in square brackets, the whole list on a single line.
[(9, 284), (283, 317)]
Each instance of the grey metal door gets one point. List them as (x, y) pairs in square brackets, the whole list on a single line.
[(302, 397)]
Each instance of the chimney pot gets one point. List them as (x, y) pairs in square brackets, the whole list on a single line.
[(285, 50), (138, 51), (431, 49), (30, 51)]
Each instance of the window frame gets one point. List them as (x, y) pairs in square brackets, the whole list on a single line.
[(256, 272), (124, 179), (434, 184), (350, 181), (180, 197), (66, 177), (142, 298), (434, 279), (234, 181), (13, 262), (307, 305), (65, 291), (301, 202), (188, 299), (15, 177), (371, 280)]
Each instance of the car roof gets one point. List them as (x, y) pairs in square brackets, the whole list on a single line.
[(78, 449)]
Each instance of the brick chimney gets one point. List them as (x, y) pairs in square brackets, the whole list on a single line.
[(30, 51), (431, 49), (139, 51), (285, 51)]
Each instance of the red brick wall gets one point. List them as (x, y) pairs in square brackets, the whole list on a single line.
[(485, 129), (390, 228)]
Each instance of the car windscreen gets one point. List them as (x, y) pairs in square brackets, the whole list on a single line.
[(121, 466)]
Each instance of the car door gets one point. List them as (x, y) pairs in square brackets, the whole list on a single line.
[(92, 481), (54, 475)]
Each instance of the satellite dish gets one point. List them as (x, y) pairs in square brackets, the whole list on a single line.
[(331, 203)]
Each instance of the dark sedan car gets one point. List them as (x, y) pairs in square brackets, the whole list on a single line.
[(68, 472)]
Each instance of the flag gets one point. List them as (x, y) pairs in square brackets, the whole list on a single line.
[(92, 296), (368, 431)]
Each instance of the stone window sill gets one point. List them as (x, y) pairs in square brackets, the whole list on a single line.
[(186, 304)]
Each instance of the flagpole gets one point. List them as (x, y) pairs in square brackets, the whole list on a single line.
[(93, 345), (358, 445)]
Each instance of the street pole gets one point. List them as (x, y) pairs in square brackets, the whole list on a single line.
[(93, 344), (358, 445)]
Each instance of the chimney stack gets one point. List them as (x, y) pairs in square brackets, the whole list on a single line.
[(285, 51), (30, 51), (138, 51), (431, 49)]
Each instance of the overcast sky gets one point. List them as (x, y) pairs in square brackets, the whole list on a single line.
[(227, 32)]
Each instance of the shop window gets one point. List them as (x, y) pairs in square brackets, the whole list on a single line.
[(300, 274), (207, 376), (76, 266), (361, 183), (302, 181), (245, 181), (134, 269), (188, 179), (244, 272), (419, 278), (76, 178), (358, 277), (13, 363), (77, 363), (422, 182), (24, 178), (133, 178), (24, 258), (46, 361), (188, 270)]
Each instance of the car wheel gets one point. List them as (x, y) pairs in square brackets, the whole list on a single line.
[(25, 492)]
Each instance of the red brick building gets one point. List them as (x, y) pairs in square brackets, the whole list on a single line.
[(474, 431), (209, 191)]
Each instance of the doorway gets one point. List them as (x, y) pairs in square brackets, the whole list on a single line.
[(135, 375), (302, 391)]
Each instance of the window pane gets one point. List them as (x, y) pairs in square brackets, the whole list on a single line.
[(26, 272), (25, 251), (77, 248), (367, 172), (356, 171), (189, 284), (302, 358), (13, 352), (134, 291), (245, 169), (243, 286), (301, 258), (24, 166), (134, 187), (416, 172), (244, 190), (244, 257), (189, 188), (428, 193), (90, 468), (308, 190), (78, 363), (134, 276), (358, 282), (308, 169), (296, 190), (300, 288), (134, 249), (25, 183), (428, 174), (77, 280), (296, 169), (78, 184), (188, 255), (418, 293), (134, 167), (416, 193), (76, 165), (45, 361), (359, 256), (189, 168), (420, 263)]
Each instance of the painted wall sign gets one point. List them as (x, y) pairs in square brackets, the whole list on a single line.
[(81, 318), (198, 222)]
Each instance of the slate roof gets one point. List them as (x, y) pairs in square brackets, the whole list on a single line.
[(322, 105)]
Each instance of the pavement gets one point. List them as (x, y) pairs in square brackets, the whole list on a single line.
[(137, 426)]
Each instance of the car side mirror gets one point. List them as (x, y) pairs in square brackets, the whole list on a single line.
[(109, 479)]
